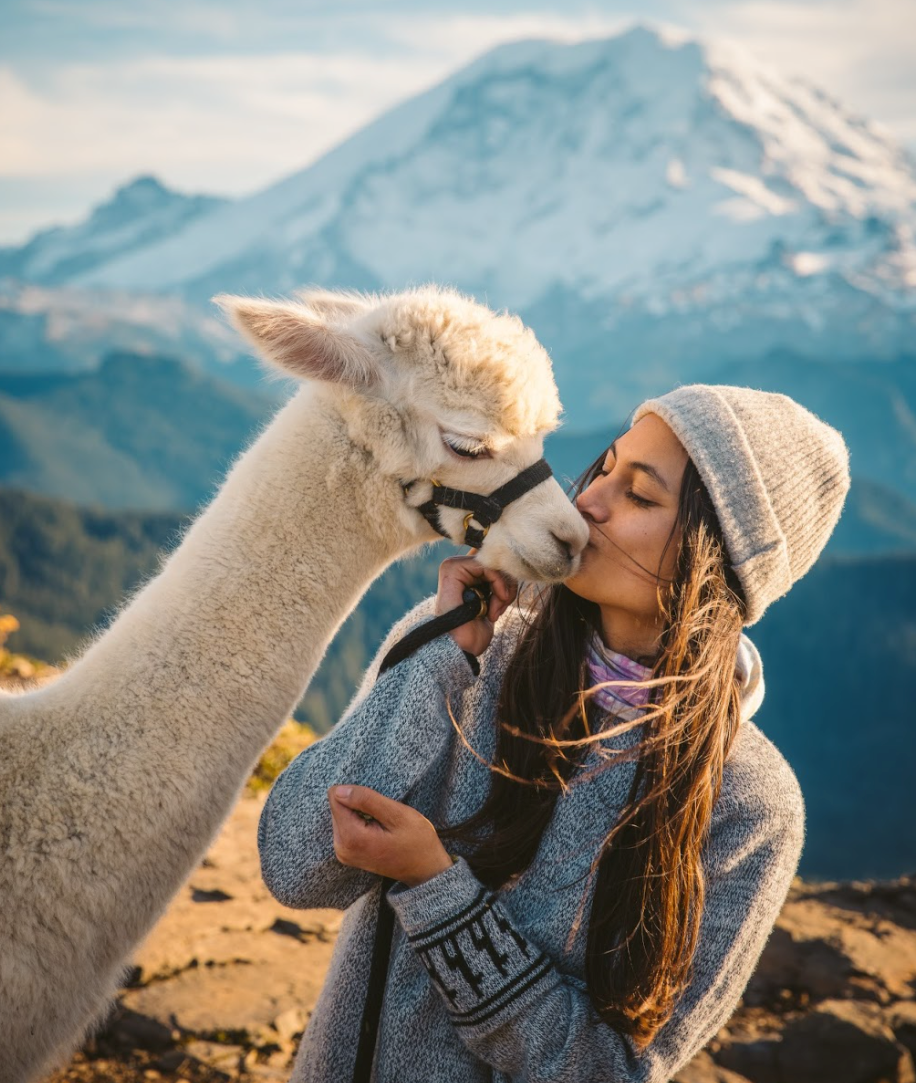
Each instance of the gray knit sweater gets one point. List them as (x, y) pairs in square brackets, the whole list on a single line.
[(481, 986)]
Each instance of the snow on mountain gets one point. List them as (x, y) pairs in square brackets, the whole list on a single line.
[(139, 214), (630, 166), (650, 196)]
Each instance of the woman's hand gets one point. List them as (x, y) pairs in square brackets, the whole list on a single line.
[(396, 841), (456, 573)]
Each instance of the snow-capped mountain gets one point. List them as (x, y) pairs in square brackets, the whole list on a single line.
[(656, 206), (140, 213)]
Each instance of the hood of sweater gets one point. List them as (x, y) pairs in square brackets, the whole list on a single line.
[(627, 701)]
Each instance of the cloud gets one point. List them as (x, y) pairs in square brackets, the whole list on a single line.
[(228, 122), (460, 38)]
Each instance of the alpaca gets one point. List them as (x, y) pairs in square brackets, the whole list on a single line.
[(116, 776)]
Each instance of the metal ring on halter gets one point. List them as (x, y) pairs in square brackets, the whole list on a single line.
[(468, 518), (482, 595)]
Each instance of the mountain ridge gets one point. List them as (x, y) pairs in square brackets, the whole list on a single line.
[(655, 206), (139, 213), (139, 432)]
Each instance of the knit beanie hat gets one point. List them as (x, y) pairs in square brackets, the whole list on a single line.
[(777, 476)]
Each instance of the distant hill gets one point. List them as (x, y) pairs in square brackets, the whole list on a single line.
[(840, 664), (63, 567), (839, 655), (152, 433), (139, 432), (876, 520), (141, 212), (49, 329)]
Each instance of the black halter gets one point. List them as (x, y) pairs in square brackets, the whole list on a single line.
[(486, 510)]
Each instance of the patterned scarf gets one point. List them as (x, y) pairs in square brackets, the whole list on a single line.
[(607, 665)]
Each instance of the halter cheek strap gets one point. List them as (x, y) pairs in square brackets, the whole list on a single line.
[(484, 510)]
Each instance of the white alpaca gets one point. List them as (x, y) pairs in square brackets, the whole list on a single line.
[(115, 777)]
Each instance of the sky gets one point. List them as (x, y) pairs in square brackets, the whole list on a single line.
[(227, 97)]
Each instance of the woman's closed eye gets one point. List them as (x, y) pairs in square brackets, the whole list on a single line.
[(639, 501)]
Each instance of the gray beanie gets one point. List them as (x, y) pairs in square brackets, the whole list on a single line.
[(777, 476)]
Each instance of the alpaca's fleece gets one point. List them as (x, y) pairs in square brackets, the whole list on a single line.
[(115, 777), (458, 355)]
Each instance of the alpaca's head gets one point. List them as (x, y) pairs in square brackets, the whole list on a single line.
[(433, 385)]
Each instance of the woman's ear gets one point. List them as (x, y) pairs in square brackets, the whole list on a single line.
[(298, 341)]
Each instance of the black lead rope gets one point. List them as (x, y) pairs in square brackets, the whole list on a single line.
[(475, 601), (485, 511), (378, 972)]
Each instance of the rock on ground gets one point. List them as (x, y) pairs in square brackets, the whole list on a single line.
[(224, 986), (225, 983)]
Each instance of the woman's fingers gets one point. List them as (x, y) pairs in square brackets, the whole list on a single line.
[(369, 803), (466, 571), (383, 836), (457, 573), (356, 812), (504, 586)]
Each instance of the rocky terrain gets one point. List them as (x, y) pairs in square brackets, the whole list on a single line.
[(223, 987)]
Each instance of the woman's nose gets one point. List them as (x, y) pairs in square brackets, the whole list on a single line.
[(590, 507)]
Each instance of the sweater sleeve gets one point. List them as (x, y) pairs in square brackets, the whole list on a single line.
[(394, 729), (519, 1013)]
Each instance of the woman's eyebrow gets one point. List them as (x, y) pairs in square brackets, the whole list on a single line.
[(646, 468)]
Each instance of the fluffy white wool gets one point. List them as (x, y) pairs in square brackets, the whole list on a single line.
[(115, 777)]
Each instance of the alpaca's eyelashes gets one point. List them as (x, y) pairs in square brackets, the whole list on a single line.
[(466, 449)]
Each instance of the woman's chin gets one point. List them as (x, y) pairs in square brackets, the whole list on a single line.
[(578, 584), (579, 577)]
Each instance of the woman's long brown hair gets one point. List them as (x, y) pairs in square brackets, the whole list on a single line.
[(648, 878)]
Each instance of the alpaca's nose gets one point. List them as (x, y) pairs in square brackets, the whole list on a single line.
[(564, 545), (569, 547)]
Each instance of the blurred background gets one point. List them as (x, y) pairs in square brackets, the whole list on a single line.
[(666, 192)]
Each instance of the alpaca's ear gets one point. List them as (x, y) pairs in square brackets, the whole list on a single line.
[(300, 342), (334, 304)]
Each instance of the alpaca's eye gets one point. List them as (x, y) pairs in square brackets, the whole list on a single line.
[(467, 449)]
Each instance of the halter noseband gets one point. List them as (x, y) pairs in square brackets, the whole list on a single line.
[(485, 510)]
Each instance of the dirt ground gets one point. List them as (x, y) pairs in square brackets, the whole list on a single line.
[(224, 986), (225, 983)]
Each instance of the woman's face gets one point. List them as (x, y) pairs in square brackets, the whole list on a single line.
[(631, 511)]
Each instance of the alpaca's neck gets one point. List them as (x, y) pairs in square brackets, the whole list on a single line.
[(115, 776), (234, 626)]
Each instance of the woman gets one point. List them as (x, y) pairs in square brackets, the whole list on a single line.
[(608, 864)]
